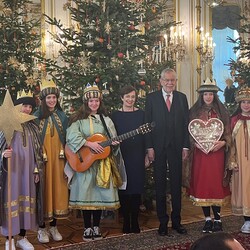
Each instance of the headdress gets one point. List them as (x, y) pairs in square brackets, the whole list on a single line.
[(208, 86), (91, 92), (48, 88), (243, 94), (25, 98)]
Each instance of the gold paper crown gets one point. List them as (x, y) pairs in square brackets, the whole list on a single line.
[(243, 94), (91, 92), (22, 94), (25, 98), (48, 88), (47, 84), (208, 86)]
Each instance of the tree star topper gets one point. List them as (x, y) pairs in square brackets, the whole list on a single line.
[(12, 118)]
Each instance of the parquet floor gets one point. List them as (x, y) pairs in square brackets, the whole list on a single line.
[(72, 228)]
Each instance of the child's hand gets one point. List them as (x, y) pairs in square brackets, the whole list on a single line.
[(7, 153)]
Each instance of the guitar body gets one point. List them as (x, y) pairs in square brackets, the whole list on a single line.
[(87, 155)]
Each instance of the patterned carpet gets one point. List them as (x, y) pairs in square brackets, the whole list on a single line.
[(150, 239)]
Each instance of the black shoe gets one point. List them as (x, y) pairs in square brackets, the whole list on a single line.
[(208, 227), (180, 229), (135, 230), (126, 227), (217, 226), (163, 230), (126, 230)]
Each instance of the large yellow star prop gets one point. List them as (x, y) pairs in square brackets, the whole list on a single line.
[(12, 118)]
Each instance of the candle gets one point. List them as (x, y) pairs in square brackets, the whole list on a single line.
[(159, 51)]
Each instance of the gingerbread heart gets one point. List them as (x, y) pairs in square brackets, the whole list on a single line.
[(206, 133)]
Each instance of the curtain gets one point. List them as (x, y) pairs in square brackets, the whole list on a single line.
[(226, 16)]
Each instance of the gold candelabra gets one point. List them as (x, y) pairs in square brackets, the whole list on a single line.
[(171, 46), (205, 48)]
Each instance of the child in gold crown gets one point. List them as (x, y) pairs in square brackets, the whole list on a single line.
[(240, 123), (52, 123), (26, 179), (96, 188)]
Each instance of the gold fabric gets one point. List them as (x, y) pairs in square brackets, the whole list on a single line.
[(241, 178), (106, 170), (56, 190)]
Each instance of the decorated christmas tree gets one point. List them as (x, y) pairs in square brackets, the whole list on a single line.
[(112, 43), (19, 50), (241, 67)]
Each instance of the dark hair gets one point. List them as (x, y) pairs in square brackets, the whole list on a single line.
[(84, 111), (26, 101), (238, 109), (216, 241), (218, 106), (127, 89), (45, 112)]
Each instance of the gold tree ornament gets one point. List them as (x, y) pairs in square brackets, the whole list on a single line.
[(12, 118)]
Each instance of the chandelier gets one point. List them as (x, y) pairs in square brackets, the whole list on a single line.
[(213, 3)]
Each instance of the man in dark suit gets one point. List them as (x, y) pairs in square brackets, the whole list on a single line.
[(168, 144)]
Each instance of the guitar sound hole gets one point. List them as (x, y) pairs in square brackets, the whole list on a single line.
[(92, 151)]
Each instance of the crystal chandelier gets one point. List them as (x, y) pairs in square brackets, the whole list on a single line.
[(213, 3)]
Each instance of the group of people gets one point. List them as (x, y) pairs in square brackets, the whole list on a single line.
[(213, 178), (47, 186), (39, 188)]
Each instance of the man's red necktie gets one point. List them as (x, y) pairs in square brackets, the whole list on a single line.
[(168, 103)]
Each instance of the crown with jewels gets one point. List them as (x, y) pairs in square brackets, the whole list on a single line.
[(25, 98), (243, 94), (91, 91), (48, 87)]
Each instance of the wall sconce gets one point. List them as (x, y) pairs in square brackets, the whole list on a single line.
[(205, 48)]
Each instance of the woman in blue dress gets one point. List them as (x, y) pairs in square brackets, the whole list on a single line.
[(126, 119)]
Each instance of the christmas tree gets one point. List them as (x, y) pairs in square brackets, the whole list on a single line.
[(241, 67), (19, 50), (112, 43)]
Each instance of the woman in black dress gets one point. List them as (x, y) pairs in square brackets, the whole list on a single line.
[(126, 119)]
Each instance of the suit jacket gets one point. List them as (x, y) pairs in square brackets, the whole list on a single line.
[(155, 110)]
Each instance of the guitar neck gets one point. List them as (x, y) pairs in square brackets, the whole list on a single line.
[(120, 138)]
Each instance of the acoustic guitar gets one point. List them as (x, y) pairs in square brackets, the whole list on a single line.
[(84, 158)]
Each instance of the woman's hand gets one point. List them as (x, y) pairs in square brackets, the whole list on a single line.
[(115, 143), (7, 153), (36, 178), (218, 145), (147, 161), (236, 168), (95, 146), (151, 155)]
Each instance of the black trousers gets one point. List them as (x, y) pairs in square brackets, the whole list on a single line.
[(130, 204), (174, 160)]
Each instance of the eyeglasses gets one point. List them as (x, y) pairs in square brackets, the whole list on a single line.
[(168, 80)]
